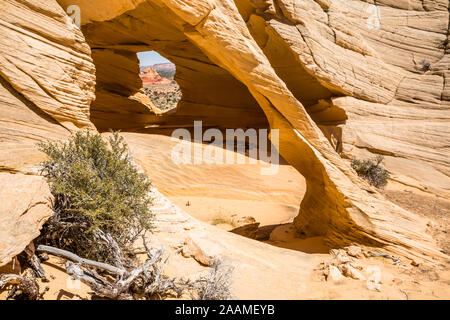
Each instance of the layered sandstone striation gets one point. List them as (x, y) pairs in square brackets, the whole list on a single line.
[(26, 205), (371, 79), (47, 79), (150, 76)]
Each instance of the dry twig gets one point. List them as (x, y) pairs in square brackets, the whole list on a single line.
[(29, 287)]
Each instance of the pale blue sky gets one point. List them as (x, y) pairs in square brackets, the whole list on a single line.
[(150, 58)]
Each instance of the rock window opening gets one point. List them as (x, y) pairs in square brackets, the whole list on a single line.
[(158, 80)]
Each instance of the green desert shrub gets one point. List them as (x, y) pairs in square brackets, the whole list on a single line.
[(100, 196), (372, 170)]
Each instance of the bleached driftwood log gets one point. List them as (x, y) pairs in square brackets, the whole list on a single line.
[(86, 262), (80, 269), (145, 281)]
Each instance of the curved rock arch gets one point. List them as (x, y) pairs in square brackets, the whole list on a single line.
[(214, 36), (234, 40)]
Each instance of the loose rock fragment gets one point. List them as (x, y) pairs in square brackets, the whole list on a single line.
[(351, 272), (334, 275), (191, 249), (339, 256), (245, 220), (355, 251)]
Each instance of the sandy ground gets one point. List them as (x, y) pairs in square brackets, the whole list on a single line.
[(212, 191), (283, 267), (57, 284), (214, 209), (263, 271), (432, 207)]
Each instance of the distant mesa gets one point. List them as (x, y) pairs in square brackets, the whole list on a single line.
[(159, 85), (162, 73)]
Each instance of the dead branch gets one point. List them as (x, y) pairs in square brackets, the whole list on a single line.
[(147, 280), (86, 262), (215, 286), (159, 285), (98, 285), (29, 287), (34, 261), (111, 246), (125, 284), (120, 288)]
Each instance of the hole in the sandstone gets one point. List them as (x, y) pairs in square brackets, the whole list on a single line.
[(158, 80), (211, 193), (222, 195)]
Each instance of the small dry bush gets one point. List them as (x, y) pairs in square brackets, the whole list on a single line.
[(101, 206), (216, 285), (372, 170), (99, 194), (221, 219)]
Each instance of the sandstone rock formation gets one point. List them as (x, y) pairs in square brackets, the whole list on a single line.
[(191, 249), (166, 70), (370, 78), (25, 206), (150, 76)]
